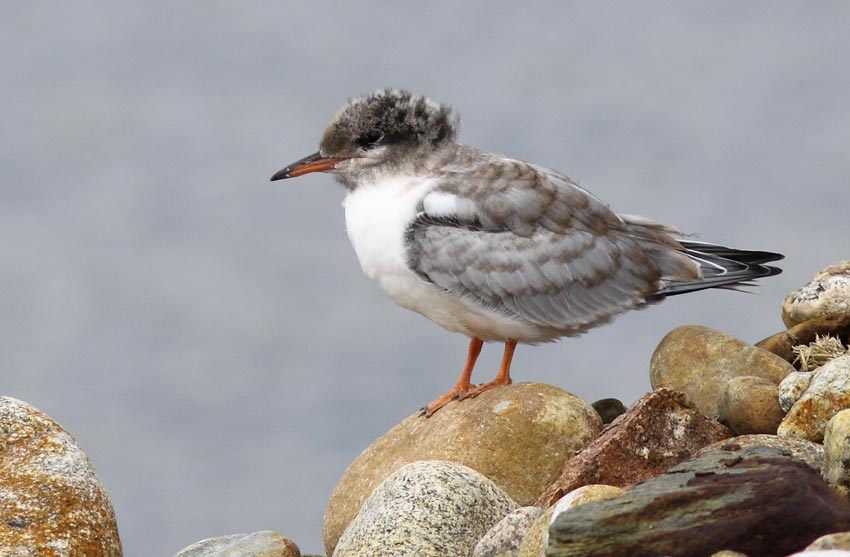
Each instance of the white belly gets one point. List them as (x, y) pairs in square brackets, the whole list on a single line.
[(377, 216)]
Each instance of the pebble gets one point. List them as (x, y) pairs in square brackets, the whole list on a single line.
[(828, 293), (827, 394)]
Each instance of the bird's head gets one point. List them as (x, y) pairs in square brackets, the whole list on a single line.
[(377, 134)]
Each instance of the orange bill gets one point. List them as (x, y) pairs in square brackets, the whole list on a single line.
[(311, 163)]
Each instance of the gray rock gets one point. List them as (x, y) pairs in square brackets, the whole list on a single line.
[(427, 509), (799, 449), (827, 394), (836, 448), (792, 388), (267, 543), (827, 293), (504, 539), (750, 405), (53, 503)]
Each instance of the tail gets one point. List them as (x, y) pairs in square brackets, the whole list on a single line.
[(722, 267)]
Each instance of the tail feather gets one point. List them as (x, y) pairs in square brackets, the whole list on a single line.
[(722, 267)]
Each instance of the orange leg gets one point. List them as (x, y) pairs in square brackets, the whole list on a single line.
[(502, 378), (463, 385)]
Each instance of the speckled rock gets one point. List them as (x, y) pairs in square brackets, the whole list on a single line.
[(429, 509), (518, 436), (658, 431), (839, 540), (698, 361), (53, 503), (827, 394), (827, 293), (750, 405), (267, 543), (537, 538), (503, 539), (792, 388), (799, 449), (836, 448), (782, 344)]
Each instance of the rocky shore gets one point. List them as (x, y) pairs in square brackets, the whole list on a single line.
[(739, 450)]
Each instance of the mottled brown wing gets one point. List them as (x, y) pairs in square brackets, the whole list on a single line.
[(534, 245)]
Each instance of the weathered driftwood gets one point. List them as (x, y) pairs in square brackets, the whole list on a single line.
[(755, 500)]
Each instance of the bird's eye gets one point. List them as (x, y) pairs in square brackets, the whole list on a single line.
[(370, 139)]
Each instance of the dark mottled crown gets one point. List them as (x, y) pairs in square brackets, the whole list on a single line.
[(387, 117)]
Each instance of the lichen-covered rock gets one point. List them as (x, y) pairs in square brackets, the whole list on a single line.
[(838, 540), (658, 431), (792, 388), (537, 537), (428, 509), (802, 450), (267, 543), (698, 361), (518, 436), (53, 503), (828, 393), (782, 344), (827, 293), (754, 500), (750, 405), (504, 539), (836, 449)]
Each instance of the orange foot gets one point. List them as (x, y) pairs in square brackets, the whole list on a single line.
[(464, 389)]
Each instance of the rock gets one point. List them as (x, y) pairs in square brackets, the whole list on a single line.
[(428, 508), (53, 501), (839, 540), (727, 553), (792, 388), (782, 344), (802, 450), (658, 431), (750, 405), (537, 537), (836, 451), (753, 500), (822, 553), (698, 361), (608, 409), (827, 293), (504, 538), (518, 436), (827, 394), (267, 543)]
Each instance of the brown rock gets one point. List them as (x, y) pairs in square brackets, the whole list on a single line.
[(52, 500), (698, 361), (836, 448), (661, 429), (609, 409), (750, 405), (782, 344), (753, 500), (518, 436), (828, 292)]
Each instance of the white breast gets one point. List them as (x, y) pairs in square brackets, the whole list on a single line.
[(377, 216)]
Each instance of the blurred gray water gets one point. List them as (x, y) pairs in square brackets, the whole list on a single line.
[(207, 336)]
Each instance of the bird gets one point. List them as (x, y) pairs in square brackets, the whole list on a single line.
[(495, 248)]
